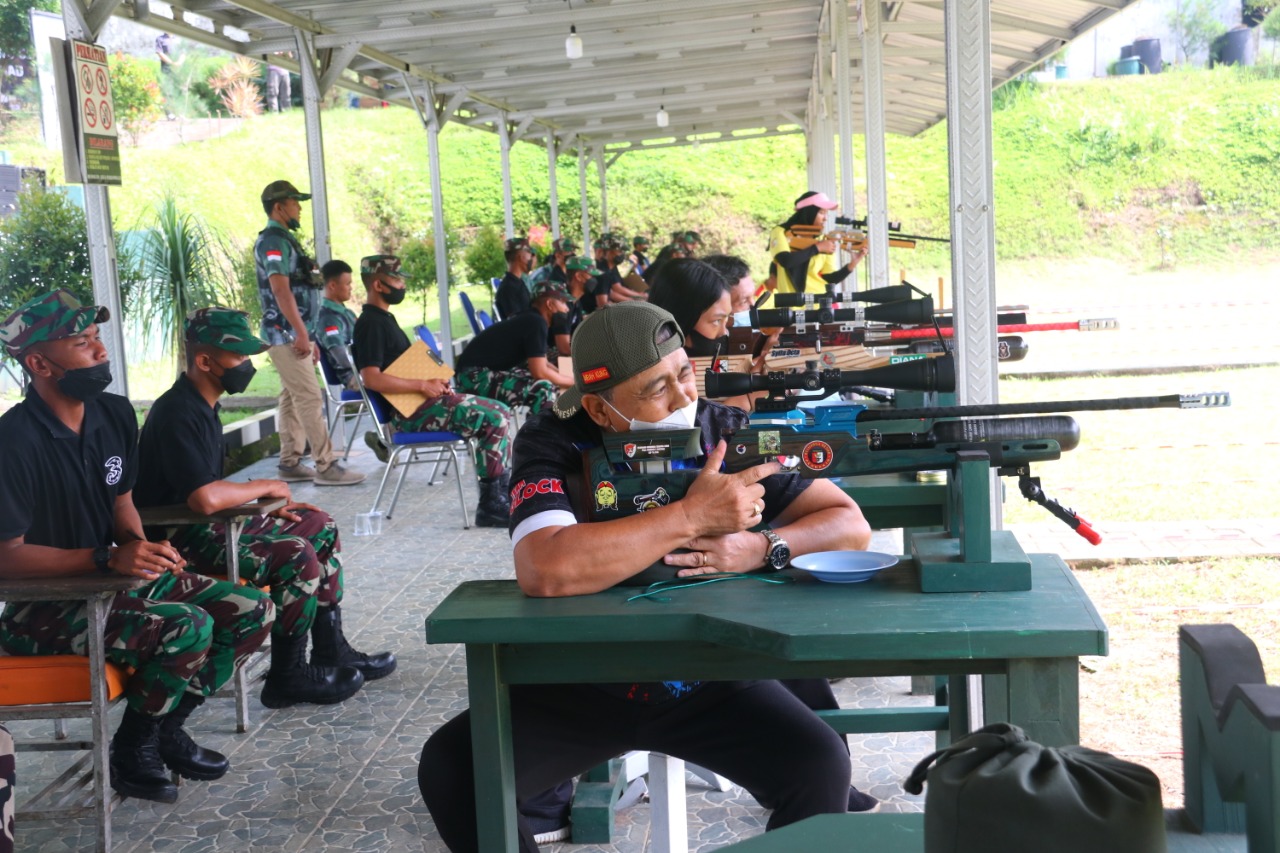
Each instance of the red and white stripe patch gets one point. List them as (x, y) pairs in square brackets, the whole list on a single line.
[(274, 255)]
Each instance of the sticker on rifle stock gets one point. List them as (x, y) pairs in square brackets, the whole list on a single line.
[(741, 449), (817, 455), (770, 442), (828, 358), (653, 500), (606, 497)]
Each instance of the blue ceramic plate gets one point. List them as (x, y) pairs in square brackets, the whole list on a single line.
[(844, 566)]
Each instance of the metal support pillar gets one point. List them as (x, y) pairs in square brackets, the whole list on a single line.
[(554, 190), (582, 194), (820, 132), (442, 257), (504, 145), (967, 28), (101, 234), (839, 14), (602, 171), (312, 95), (873, 136)]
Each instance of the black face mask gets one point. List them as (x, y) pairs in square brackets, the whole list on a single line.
[(293, 225), (393, 295), (83, 383), (699, 344), (560, 318), (235, 379)]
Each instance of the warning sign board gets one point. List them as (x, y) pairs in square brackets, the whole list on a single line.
[(99, 139)]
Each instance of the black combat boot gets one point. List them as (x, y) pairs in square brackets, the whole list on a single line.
[(136, 767), (494, 506), (183, 755), (329, 647), (291, 679)]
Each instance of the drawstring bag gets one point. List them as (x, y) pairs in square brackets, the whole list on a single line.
[(996, 791)]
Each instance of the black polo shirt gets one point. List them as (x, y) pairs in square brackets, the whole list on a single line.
[(508, 344), (378, 341), (57, 488), (181, 448), (512, 296)]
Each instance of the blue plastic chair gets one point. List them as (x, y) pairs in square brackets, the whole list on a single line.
[(407, 448), (483, 318), (339, 403), (425, 335), (470, 311)]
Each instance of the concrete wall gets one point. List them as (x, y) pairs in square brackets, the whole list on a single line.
[(1090, 55)]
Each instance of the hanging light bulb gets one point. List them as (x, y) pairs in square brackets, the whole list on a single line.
[(662, 117), (573, 44)]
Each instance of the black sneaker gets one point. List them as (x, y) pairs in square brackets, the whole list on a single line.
[(547, 830), (860, 802)]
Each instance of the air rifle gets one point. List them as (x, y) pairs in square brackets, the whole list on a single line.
[(895, 230)]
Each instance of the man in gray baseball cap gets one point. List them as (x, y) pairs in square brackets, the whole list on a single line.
[(631, 375)]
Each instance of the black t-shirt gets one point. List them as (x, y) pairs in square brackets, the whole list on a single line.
[(57, 488), (181, 448), (377, 341), (548, 466), (508, 344), (512, 296)]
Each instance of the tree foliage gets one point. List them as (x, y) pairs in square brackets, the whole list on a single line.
[(484, 258), (1195, 25), (43, 246), (15, 25), (135, 89)]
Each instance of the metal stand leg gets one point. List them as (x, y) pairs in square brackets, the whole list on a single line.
[(102, 794), (234, 527)]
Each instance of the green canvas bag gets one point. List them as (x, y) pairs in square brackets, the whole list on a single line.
[(996, 791)]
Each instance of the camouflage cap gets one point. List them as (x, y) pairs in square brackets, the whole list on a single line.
[(550, 288), (516, 243), (280, 190), (50, 317), (565, 245), (581, 262), (691, 238), (639, 241), (613, 345), (224, 328), (380, 265)]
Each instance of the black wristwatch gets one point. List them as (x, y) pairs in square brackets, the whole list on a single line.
[(779, 553), (101, 557)]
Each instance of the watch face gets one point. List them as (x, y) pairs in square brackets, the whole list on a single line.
[(779, 555)]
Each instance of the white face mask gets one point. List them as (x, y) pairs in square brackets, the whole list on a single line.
[(679, 419), (742, 320)]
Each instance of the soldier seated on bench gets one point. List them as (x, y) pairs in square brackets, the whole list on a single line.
[(632, 373), (66, 509), (294, 551)]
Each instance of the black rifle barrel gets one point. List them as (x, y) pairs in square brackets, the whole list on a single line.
[(1210, 400)]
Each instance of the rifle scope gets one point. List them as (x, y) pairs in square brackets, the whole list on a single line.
[(911, 312), (926, 374), (892, 293)]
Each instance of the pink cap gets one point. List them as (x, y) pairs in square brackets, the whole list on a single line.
[(817, 200)]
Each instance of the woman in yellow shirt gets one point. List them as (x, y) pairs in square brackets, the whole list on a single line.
[(807, 270)]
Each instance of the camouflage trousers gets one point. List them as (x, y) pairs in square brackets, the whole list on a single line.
[(181, 632), (8, 781), (487, 422), (515, 387), (298, 560)]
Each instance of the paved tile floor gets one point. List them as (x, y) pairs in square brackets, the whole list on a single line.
[(343, 778)]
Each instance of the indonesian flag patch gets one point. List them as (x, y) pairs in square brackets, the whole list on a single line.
[(275, 255), (331, 330)]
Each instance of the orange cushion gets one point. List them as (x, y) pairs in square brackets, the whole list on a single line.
[(43, 679)]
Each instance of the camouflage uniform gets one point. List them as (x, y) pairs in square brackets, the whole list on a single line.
[(515, 387), (337, 325), (181, 632), (298, 560), (487, 422), (8, 782)]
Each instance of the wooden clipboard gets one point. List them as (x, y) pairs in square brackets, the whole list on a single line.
[(417, 362)]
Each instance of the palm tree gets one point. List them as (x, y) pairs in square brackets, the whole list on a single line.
[(182, 266)]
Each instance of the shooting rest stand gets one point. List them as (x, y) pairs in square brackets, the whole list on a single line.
[(969, 556)]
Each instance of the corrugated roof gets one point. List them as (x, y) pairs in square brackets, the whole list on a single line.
[(720, 68)]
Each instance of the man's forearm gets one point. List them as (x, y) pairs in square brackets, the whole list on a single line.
[(385, 383), (224, 494), (832, 529), (26, 562)]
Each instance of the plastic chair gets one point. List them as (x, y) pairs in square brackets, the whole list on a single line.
[(470, 311), (407, 448), (424, 334), (62, 687), (483, 318), (340, 401)]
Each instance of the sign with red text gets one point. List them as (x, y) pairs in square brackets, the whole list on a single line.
[(95, 112)]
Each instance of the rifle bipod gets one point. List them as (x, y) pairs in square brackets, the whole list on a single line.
[(1031, 490)]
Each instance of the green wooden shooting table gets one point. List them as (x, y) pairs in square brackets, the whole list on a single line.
[(1027, 643), (897, 500)]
